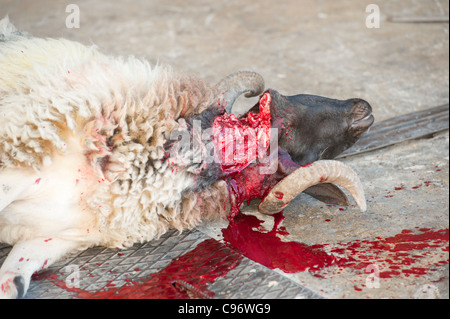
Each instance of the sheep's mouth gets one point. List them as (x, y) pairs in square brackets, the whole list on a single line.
[(362, 117), (363, 124)]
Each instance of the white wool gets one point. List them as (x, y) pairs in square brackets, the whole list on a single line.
[(88, 128)]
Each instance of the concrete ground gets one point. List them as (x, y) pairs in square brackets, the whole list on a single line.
[(317, 47)]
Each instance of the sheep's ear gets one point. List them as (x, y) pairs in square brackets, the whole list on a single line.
[(328, 193), (275, 98), (7, 30), (243, 82)]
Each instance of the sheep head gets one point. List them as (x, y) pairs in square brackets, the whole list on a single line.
[(312, 130), (313, 127)]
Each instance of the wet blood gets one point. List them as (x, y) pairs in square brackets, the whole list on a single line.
[(189, 275), (248, 185), (268, 249), (398, 255), (279, 195), (185, 277)]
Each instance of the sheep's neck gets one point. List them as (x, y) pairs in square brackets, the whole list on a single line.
[(240, 147), (240, 142)]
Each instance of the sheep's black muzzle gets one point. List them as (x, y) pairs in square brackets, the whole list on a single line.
[(362, 116), (313, 127)]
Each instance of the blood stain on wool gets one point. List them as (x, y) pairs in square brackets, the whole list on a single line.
[(189, 275)]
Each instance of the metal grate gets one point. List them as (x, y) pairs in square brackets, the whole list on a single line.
[(85, 274)]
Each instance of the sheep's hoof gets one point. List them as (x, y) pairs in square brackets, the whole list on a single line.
[(19, 281), (12, 286)]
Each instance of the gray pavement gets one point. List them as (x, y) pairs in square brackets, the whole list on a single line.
[(317, 47)]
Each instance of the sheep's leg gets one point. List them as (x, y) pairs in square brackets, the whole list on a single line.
[(14, 183), (28, 257)]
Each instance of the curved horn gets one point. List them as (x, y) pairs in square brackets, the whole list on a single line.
[(323, 171), (231, 87)]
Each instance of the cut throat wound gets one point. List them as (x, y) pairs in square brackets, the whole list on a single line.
[(241, 145), (241, 141)]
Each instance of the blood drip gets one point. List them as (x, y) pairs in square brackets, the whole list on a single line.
[(246, 186), (268, 249)]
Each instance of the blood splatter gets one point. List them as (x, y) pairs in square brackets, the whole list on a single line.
[(185, 277), (279, 195), (268, 249), (189, 275), (44, 265), (398, 255)]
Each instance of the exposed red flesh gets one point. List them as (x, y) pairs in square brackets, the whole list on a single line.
[(239, 142)]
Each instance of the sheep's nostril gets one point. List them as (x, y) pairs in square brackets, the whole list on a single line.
[(361, 110), (362, 115)]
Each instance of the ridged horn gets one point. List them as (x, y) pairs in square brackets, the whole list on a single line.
[(323, 171), (235, 84)]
